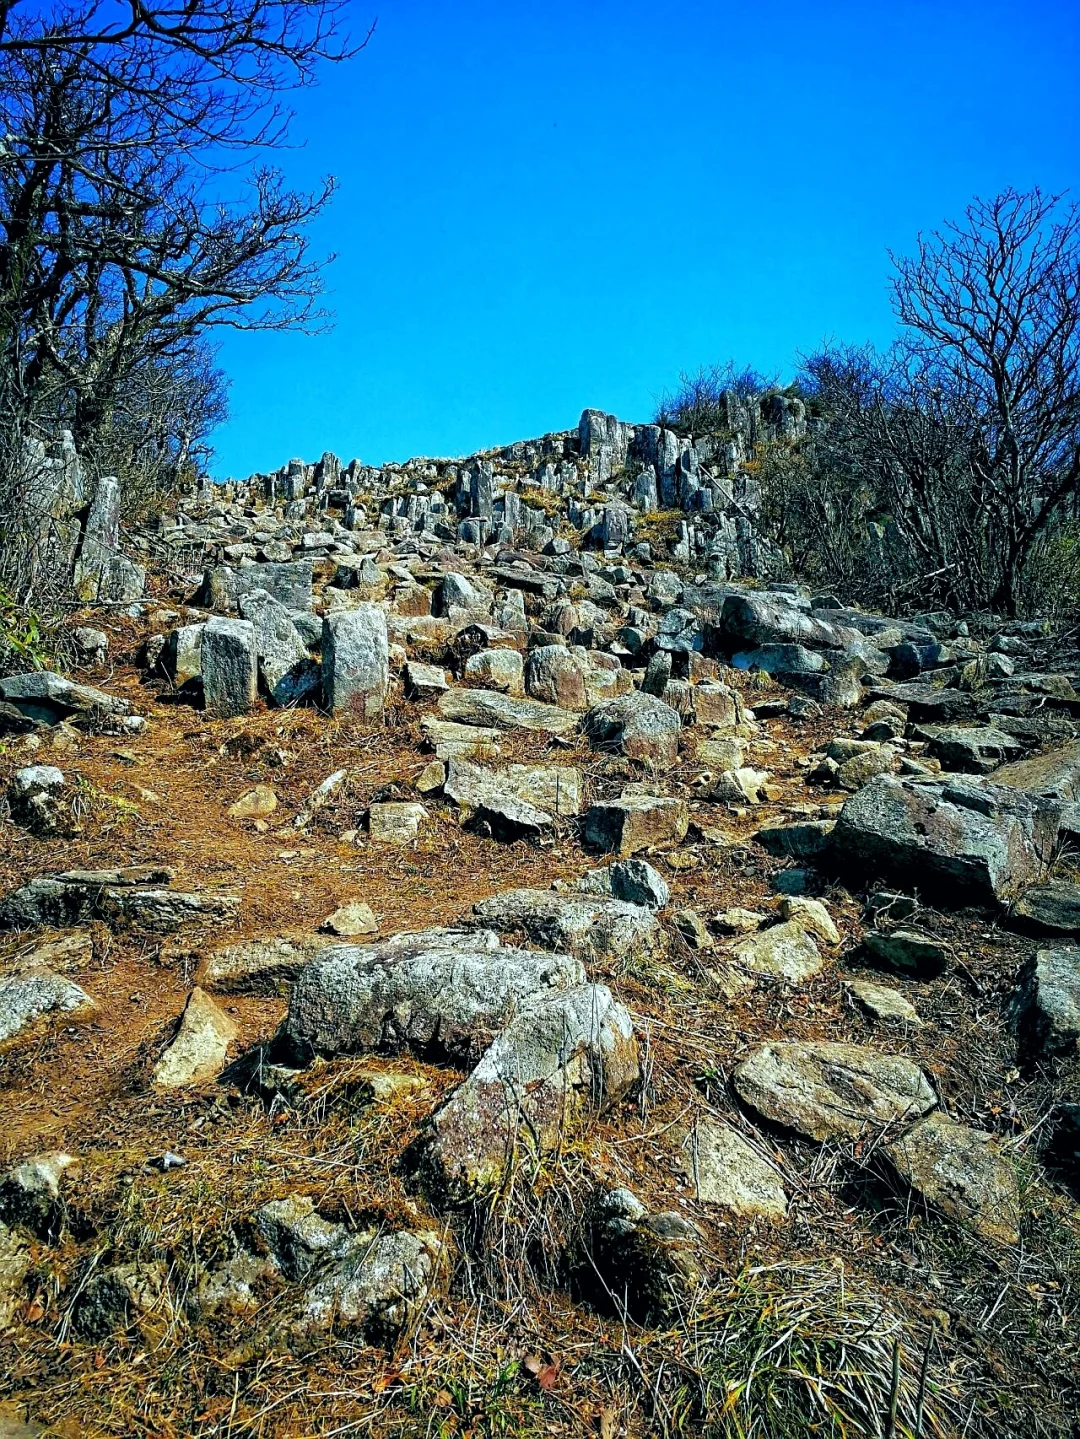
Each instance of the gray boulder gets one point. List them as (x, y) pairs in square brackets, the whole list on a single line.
[(1049, 1003), (906, 952), (976, 749), (594, 928), (563, 1055), (832, 1091), (637, 725), (962, 841), (1055, 775), (49, 698), (229, 666), (27, 994), (33, 797), (356, 661), (286, 669), (1052, 909), (440, 993), (289, 583), (757, 620), (632, 880), (962, 1172), (726, 1170), (635, 822)]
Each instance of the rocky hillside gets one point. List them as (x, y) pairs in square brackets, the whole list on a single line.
[(483, 953)]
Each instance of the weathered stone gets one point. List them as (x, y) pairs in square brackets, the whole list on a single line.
[(882, 1003), (423, 681), (1049, 1003), (30, 992), (289, 583), (906, 952), (440, 993), (740, 786), (256, 803), (638, 725), (16, 1261), (356, 661), (811, 915), (49, 698), (692, 928), (257, 966), (229, 666), (807, 841), (961, 840), (755, 620), (319, 798), (286, 669), (460, 741), (717, 705), (197, 1055), (635, 822), (1055, 775), (395, 822), (116, 1297), (350, 920), (976, 750), (376, 1284), (963, 1173), (517, 802), (594, 928), (30, 1194), (724, 1169), (33, 797), (832, 1091), (181, 656), (504, 712), (784, 952), (562, 1055), (499, 669), (1052, 909)]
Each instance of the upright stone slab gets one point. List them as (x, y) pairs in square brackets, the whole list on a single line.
[(229, 666), (356, 661)]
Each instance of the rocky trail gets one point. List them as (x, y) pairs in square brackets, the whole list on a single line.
[(482, 954)]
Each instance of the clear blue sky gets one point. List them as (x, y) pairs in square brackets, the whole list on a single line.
[(551, 205)]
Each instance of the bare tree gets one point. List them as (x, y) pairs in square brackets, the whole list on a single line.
[(991, 306)]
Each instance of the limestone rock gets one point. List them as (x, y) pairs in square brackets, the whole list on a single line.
[(785, 952), (197, 1054), (229, 666), (49, 698), (27, 993), (832, 1091), (638, 725), (376, 1285), (595, 928), (963, 841)]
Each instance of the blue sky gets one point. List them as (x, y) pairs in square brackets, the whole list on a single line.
[(555, 205)]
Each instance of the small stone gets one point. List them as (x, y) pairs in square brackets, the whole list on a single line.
[(739, 921), (963, 1173), (883, 1003), (726, 1170), (812, 915), (784, 952), (423, 681), (257, 803), (350, 920), (33, 798), (32, 991), (396, 821), (904, 951), (197, 1054), (431, 778), (692, 928)]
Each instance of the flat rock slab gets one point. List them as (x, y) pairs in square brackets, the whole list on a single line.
[(832, 1091), (562, 1056), (726, 1170), (498, 711), (635, 822), (30, 992), (197, 1055), (975, 749), (460, 741), (439, 993), (518, 801), (593, 927), (785, 952), (49, 698), (963, 1173), (116, 896), (962, 841), (906, 952)]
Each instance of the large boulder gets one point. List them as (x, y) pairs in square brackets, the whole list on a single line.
[(439, 993), (593, 927), (356, 661), (286, 668), (31, 992), (638, 725), (960, 841), (832, 1091), (229, 666), (563, 1055), (635, 822), (1055, 775), (752, 621), (288, 582)]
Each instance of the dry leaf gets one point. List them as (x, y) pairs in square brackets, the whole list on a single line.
[(608, 1423)]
